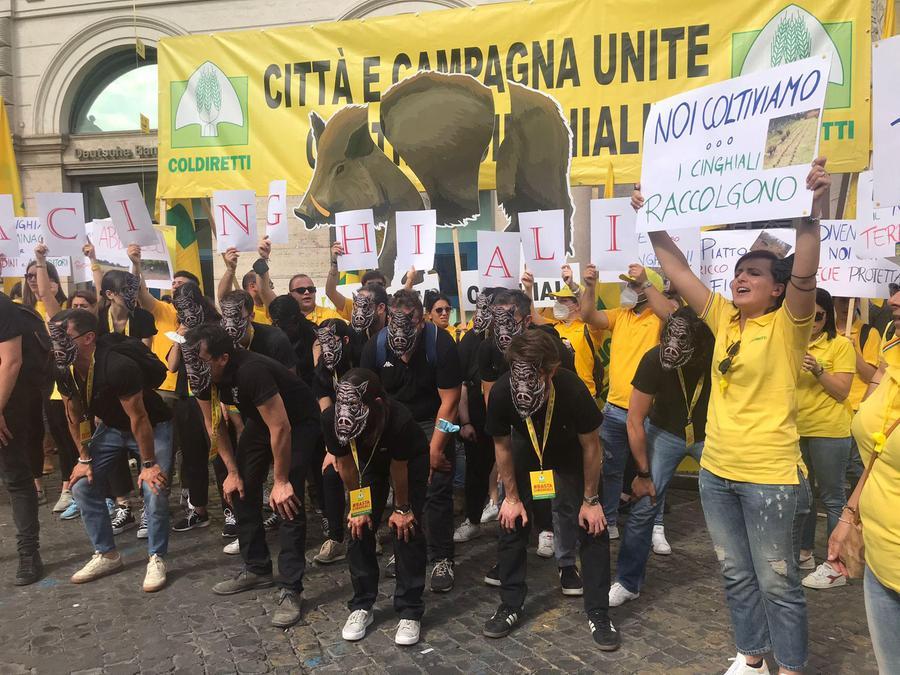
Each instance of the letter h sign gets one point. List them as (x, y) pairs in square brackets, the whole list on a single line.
[(355, 230)]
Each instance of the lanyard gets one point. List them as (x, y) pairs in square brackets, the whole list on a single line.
[(88, 390), (216, 416), (696, 397), (112, 328), (539, 449), (353, 449)]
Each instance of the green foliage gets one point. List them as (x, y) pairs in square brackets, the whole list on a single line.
[(792, 41)]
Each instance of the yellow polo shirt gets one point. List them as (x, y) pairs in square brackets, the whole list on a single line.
[(879, 504), (633, 335), (319, 314), (347, 310), (573, 334), (890, 348), (261, 315), (818, 414), (166, 321), (751, 426), (870, 353)]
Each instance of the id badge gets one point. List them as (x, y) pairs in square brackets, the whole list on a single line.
[(689, 434), (84, 432), (360, 502), (542, 484)]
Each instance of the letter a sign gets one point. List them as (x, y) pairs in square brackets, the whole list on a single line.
[(543, 242), (498, 259), (234, 212), (129, 214), (62, 222)]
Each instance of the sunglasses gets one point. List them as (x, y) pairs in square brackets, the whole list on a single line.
[(302, 290), (442, 310), (820, 316), (732, 351), (31, 275)]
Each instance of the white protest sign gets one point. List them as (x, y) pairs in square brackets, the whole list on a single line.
[(9, 245), (112, 253), (886, 121), (735, 151), (544, 286), (416, 240), (498, 259), (234, 212), (543, 241), (28, 235), (841, 273), (62, 222), (468, 294), (355, 230), (878, 229), (721, 249), (688, 241), (614, 242), (276, 212), (129, 213)]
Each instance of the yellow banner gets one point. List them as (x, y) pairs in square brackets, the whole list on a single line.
[(234, 108)]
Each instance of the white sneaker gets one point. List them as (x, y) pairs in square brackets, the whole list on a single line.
[(490, 513), (466, 532), (739, 667), (619, 595), (660, 544), (614, 532), (65, 498), (825, 576), (331, 551), (407, 632), (545, 544), (98, 566), (156, 574), (232, 548), (357, 622), (807, 563)]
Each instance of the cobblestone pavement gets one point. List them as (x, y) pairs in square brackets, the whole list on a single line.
[(679, 625)]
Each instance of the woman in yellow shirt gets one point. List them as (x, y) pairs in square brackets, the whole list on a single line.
[(877, 501), (752, 484), (823, 422)]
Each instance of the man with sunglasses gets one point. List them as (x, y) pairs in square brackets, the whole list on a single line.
[(419, 366), (303, 290)]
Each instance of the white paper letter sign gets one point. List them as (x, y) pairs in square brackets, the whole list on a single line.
[(886, 120), (614, 244), (62, 222), (543, 242), (9, 245), (235, 214), (498, 259), (355, 230), (877, 229), (416, 240), (129, 214), (734, 151), (276, 212)]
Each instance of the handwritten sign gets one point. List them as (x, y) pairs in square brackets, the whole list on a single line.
[(416, 240), (734, 151), (62, 222), (498, 259), (28, 235), (234, 212), (614, 242), (356, 232), (878, 233), (886, 121), (9, 245), (276, 212), (543, 241), (129, 213), (112, 253), (688, 241)]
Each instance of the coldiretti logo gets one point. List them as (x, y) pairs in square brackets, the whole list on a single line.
[(793, 34), (209, 109)]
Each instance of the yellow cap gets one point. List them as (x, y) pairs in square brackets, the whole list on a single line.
[(564, 292), (652, 276)]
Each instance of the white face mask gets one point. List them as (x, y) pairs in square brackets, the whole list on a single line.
[(628, 297), (560, 311)]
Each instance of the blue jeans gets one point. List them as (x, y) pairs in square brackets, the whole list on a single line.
[(106, 444), (755, 531), (614, 436), (883, 616), (826, 459), (665, 451)]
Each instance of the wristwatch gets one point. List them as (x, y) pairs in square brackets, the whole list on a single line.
[(592, 501), (642, 474), (647, 284), (148, 465), (402, 509)]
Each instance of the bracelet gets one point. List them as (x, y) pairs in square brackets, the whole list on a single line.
[(875, 382), (844, 520), (95, 267), (798, 276), (85, 461), (40, 266), (512, 500), (849, 508)]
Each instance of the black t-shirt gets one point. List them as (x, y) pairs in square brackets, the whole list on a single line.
[(574, 412), (468, 361), (141, 323), (17, 321), (416, 384), (669, 409), (117, 376), (401, 440), (251, 379), (274, 343), (492, 363)]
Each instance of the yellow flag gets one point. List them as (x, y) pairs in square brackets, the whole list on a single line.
[(145, 124), (140, 48), (180, 213), (9, 172), (609, 188), (887, 28)]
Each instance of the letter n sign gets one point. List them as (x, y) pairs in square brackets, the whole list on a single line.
[(234, 213)]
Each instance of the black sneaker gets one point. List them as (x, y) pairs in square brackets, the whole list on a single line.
[(191, 520), (229, 529), (391, 568), (31, 569), (442, 576), (570, 581), (604, 633), (122, 520), (492, 578), (503, 621), (272, 522), (326, 530)]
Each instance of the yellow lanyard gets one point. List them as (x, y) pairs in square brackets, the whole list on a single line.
[(88, 390), (112, 328), (355, 452), (539, 449), (696, 397), (216, 416)]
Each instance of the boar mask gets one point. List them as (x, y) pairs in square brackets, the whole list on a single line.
[(350, 412), (528, 388), (332, 346), (676, 345), (363, 313), (505, 326), (402, 332)]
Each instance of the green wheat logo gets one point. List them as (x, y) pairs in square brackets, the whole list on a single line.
[(792, 41), (209, 100)]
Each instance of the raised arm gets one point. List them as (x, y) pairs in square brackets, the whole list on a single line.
[(264, 281), (527, 282), (589, 312), (659, 303), (230, 258), (331, 281), (96, 272), (43, 281), (146, 300), (801, 297)]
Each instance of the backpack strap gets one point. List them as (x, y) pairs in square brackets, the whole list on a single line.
[(431, 338)]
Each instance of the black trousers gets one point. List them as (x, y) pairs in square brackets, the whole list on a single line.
[(334, 502), (191, 439), (55, 410), (594, 549), (409, 556), (254, 456), (24, 418), (479, 463), (439, 503)]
